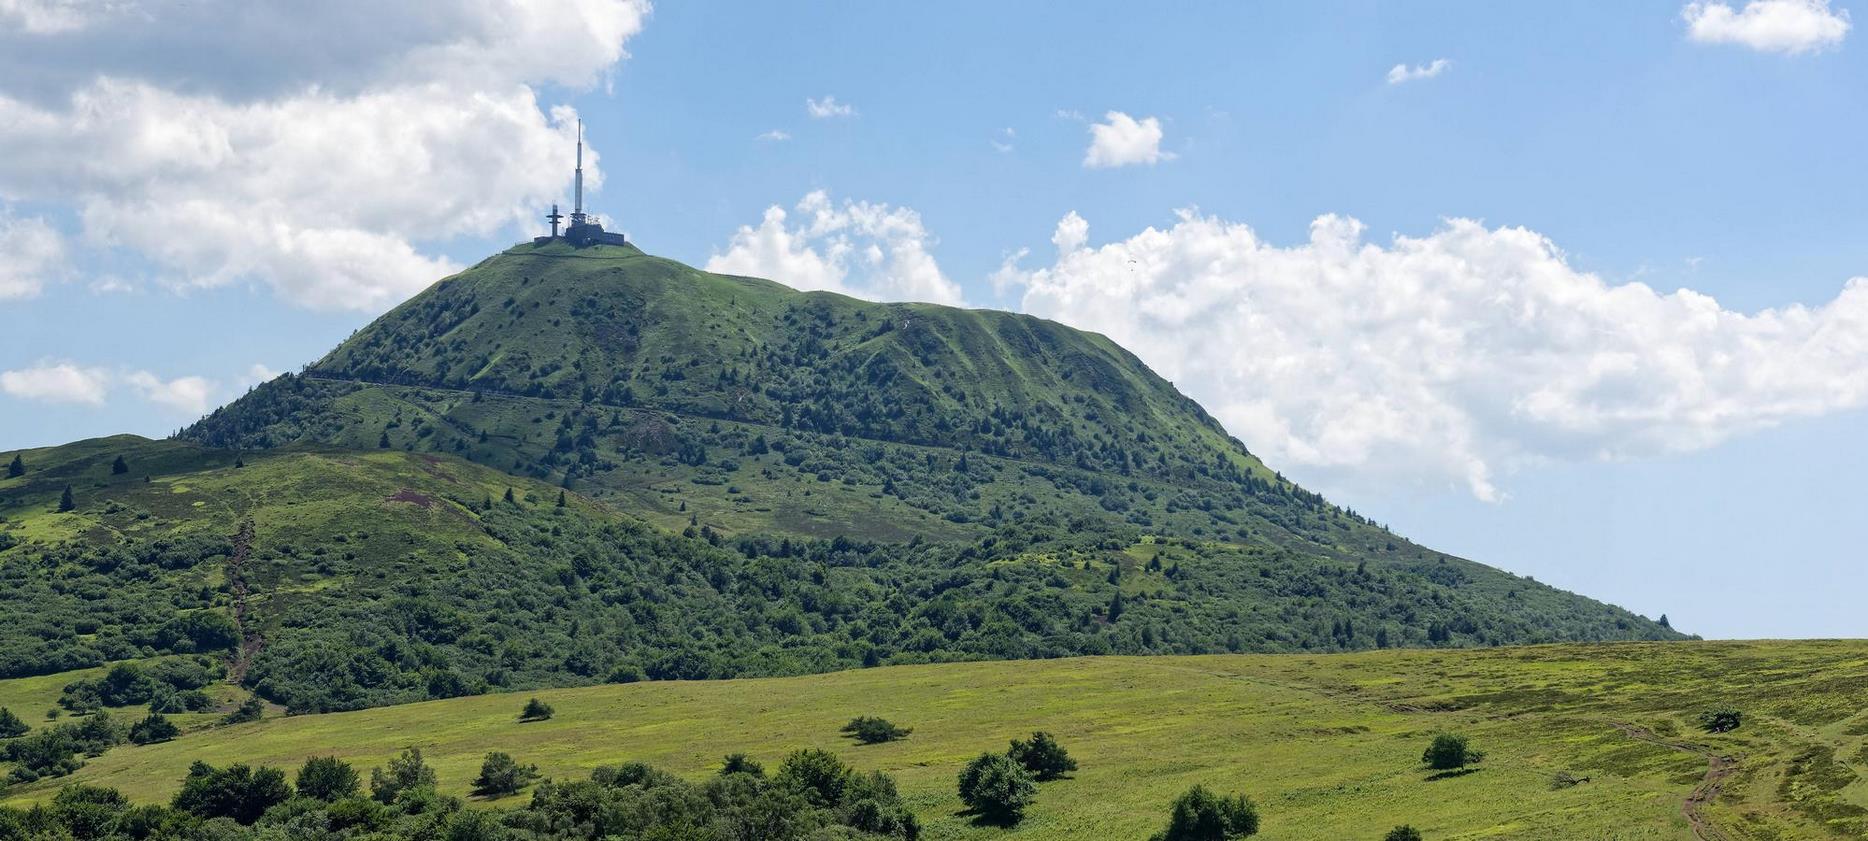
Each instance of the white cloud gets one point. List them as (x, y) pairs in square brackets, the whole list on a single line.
[(775, 136), (1403, 73), (57, 382), (30, 252), (1122, 140), (1781, 26), (224, 156), (68, 382), (187, 395), (828, 107), (1457, 357), (871, 251)]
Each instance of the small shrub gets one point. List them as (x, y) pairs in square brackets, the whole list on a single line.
[(739, 763), (152, 729), (500, 775), (997, 788), (1721, 720), (1402, 833), (253, 709), (11, 725), (1450, 751), (536, 710), (871, 731), (1201, 815), (407, 774), (1042, 756)]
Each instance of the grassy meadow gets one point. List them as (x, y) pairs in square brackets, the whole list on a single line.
[(1329, 746)]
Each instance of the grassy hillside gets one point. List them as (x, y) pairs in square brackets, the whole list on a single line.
[(337, 579), (1329, 746)]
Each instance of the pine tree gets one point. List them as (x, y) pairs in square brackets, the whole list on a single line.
[(118, 467), (65, 502), (11, 725), (383, 442), (17, 468), (510, 498), (561, 499)]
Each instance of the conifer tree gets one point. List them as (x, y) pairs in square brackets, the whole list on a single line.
[(118, 467), (16, 468), (65, 502), (561, 499), (510, 498)]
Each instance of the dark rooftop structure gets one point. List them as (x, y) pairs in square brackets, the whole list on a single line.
[(584, 230)]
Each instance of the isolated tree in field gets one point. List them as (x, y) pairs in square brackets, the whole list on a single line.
[(1042, 756), (560, 499), (383, 442), (238, 791), (1450, 751), (870, 730), (501, 775), (327, 778), (16, 468), (1201, 815), (65, 501), (119, 467), (536, 710), (1721, 720), (510, 498), (997, 788), (406, 773), (1402, 833), (11, 725), (152, 729)]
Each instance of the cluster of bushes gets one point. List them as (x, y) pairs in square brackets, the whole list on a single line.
[(170, 685), (57, 750), (870, 730), (997, 787), (812, 797)]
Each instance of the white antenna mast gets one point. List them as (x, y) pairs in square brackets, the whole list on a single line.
[(577, 211)]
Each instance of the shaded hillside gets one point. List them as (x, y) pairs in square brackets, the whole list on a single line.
[(374, 577)]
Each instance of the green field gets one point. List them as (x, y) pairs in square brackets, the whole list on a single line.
[(1329, 745)]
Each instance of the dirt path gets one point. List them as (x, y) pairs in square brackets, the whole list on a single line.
[(1718, 767), (250, 641)]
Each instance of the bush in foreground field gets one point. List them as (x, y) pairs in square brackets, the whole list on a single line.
[(997, 788), (1201, 815), (536, 710), (1721, 720), (1449, 752), (501, 775), (870, 730), (1402, 833), (1042, 756)]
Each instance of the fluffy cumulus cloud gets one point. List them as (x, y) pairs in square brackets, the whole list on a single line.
[(1455, 357), (30, 252), (1403, 73), (1781, 26), (857, 248), (57, 382), (1122, 140), (70, 383), (328, 164)]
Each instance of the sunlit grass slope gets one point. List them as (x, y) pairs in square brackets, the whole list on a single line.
[(1329, 746)]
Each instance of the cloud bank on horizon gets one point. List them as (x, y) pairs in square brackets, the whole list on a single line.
[(193, 137)]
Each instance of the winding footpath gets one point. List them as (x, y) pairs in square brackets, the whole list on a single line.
[(1718, 768)]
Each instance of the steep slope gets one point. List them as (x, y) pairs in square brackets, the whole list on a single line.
[(761, 481)]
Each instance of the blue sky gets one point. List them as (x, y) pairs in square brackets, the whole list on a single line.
[(1493, 357)]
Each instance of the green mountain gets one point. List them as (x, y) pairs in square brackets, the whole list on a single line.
[(758, 481)]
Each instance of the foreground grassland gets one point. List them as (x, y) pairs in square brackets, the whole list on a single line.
[(1329, 746)]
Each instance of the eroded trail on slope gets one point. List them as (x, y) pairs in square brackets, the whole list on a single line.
[(1718, 768), (250, 641)]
